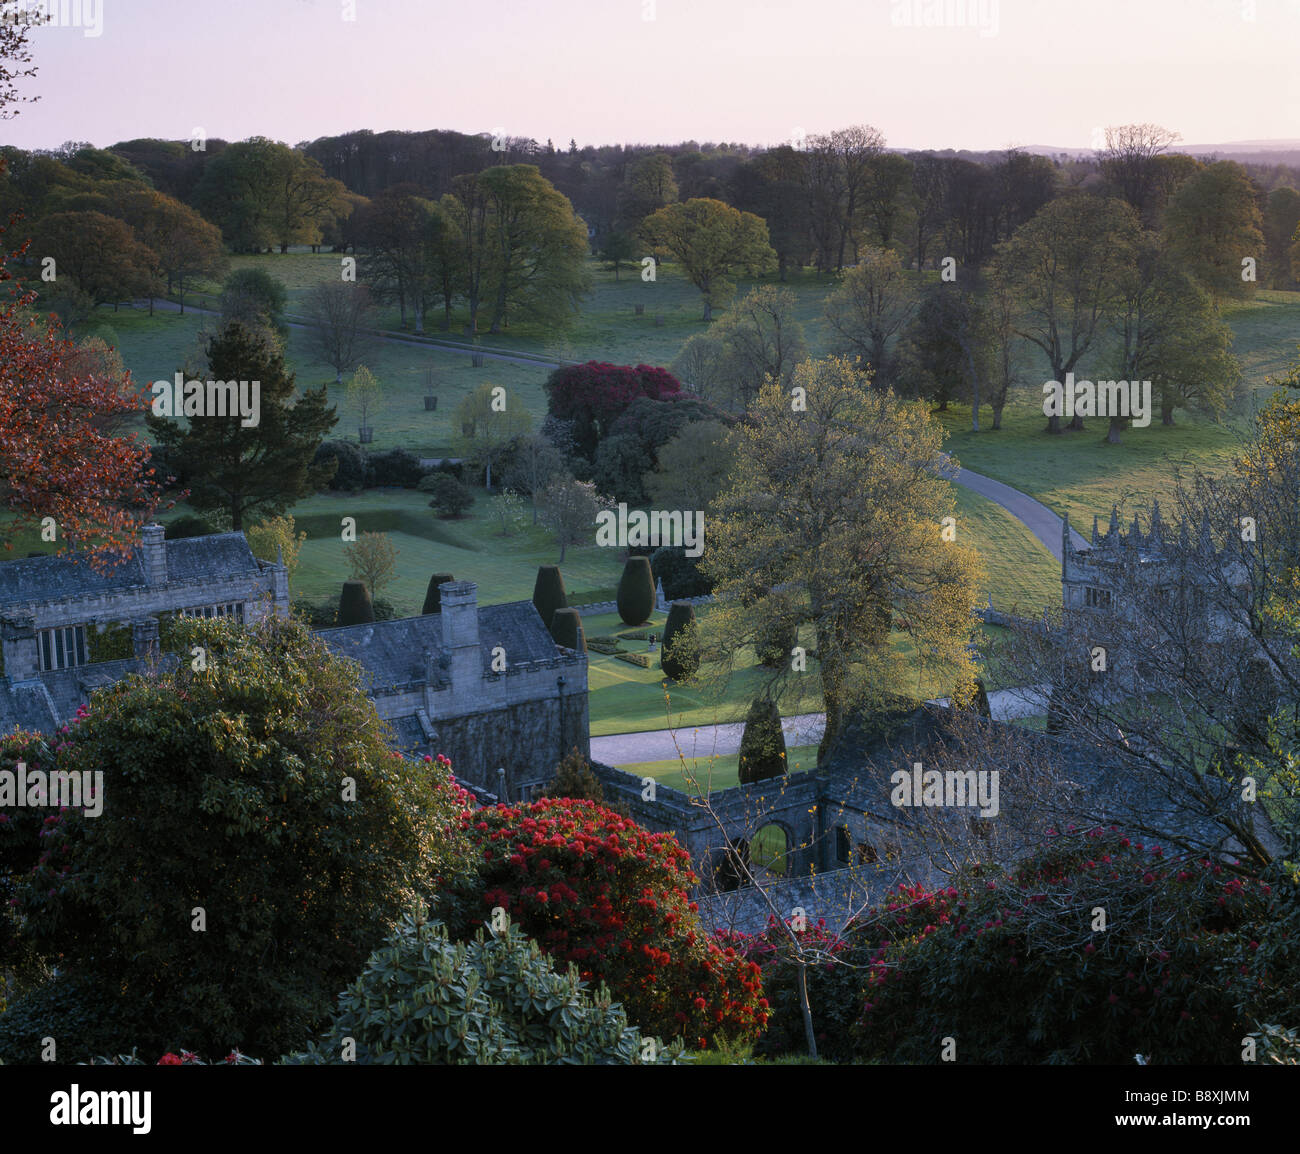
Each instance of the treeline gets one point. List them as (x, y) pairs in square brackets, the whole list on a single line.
[(500, 227)]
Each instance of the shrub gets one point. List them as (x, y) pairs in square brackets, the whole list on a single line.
[(433, 595), (762, 745), (450, 497), (680, 658), (494, 1001), (1008, 962), (318, 616), (22, 845), (548, 593), (84, 1015), (566, 628), (573, 778), (596, 889), (350, 475), (354, 604), (228, 789), (636, 592), (619, 466), (835, 973), (594, 395), (681, 575), (190, 525), (395, 467), (184, 1058)]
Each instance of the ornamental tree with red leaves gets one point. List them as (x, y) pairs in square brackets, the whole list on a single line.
[(596, 889), (594, 395), (60, 456), (1017, 967)]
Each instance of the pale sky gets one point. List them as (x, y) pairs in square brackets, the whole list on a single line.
[(998, 73)]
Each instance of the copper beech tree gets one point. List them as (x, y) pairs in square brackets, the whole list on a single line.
[(60, 455)]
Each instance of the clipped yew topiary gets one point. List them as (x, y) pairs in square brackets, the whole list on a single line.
[(680, 658), (762, 745), (636, 591), (548, 592), (433, 596), (566, 628), (354, 604)]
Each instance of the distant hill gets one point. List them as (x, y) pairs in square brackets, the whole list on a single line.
[(1257, 151)]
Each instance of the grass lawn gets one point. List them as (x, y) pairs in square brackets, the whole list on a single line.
[(1023, 577), (695, 775), (472, 548)]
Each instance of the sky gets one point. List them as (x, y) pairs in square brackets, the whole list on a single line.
[(975, 74)]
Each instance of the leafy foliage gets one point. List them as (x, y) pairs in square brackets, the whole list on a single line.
[(680, 658), (1193, 957), (450, 497), (494, 1001), (762, 744), (636, 591), (596, 889), (261, 790)]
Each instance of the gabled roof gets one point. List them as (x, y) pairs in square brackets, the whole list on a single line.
[(393, 651), (65, 575)]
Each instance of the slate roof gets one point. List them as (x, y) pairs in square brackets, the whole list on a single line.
[(393, 651), (45, 702), (66, 575), (216, 555)]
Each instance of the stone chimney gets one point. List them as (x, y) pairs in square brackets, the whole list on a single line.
[(460, 633), (155, 554)]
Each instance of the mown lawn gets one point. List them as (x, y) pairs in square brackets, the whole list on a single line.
[(701, 774), (472, 548)]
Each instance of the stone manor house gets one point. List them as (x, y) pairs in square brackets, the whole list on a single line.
[(485, 685)]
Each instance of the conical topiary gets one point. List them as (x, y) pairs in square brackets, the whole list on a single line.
[(680, 658), (636, 591), (762, 745), (433, 597), (548, 593), (566, 628), (354, 604), (981, 702)]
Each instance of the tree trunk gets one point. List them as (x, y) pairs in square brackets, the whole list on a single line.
[(1053, 426), (1114, 430), (1076, 425), (801, 979), (997, 418)]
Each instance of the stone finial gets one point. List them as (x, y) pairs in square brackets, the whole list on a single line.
[(1113, 530), (1094, 528)]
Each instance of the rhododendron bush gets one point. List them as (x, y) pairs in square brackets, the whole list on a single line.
[(258, 839), (1192, 958), (594, 888)]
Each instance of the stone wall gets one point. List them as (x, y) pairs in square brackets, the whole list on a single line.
[(526, 739)]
